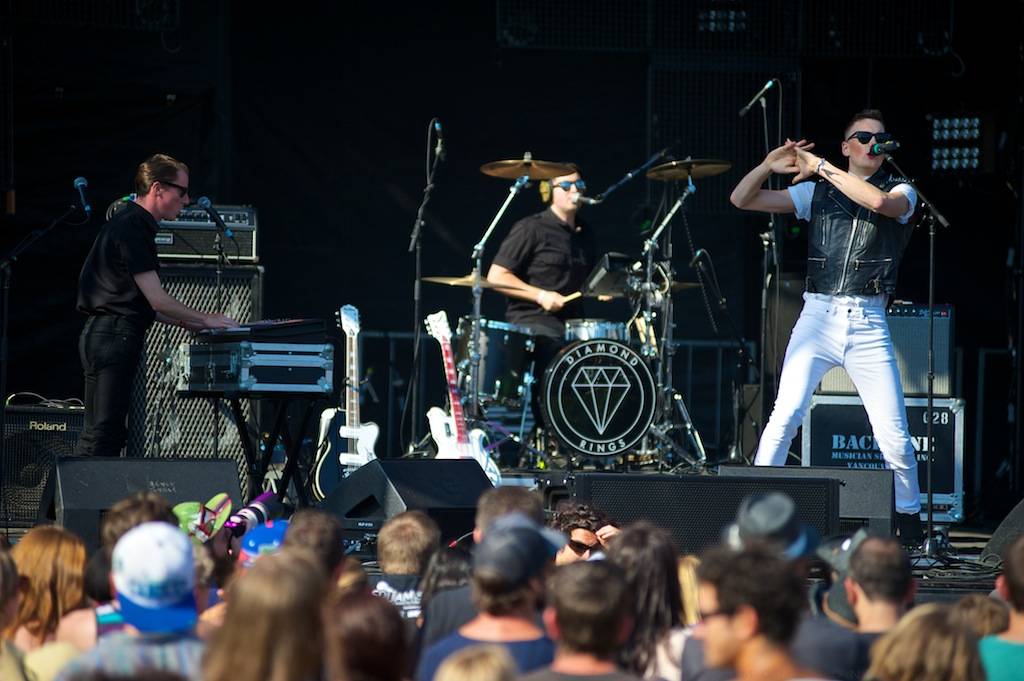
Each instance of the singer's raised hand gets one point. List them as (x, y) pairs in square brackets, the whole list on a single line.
[(806, 164)]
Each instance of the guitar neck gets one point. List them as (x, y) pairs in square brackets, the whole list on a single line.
[(352, 380), (458, 417)]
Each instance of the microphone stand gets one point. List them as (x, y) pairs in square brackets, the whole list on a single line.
[(416, 246), (631, 174), (6, 274), (770, 256), (931, 216), (474, 336), (222, 260)]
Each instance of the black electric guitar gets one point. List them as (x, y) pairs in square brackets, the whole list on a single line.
[(349, 445)]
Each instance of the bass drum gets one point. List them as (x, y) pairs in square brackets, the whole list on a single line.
[(599, 398)]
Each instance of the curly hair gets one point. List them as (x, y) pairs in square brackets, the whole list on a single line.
[(757, 578), (570, 515)]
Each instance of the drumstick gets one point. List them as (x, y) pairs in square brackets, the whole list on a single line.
[(572, 296)]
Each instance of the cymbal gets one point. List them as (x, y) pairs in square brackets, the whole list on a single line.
[(467, 280), (527, 165), (688, 167)]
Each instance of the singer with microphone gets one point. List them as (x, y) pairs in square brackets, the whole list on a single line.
[(859, 228), (546, 257), (119, 289)]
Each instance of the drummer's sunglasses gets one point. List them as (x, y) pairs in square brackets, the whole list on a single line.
[(566, 185), (864, 136)]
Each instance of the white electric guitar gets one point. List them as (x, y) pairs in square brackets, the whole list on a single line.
[(449, 432), (353, 446)]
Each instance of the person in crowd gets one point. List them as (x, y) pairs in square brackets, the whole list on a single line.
[(12, 666), (481, 662), (509, 567), (928, 644), (880, 585), (320, 533), (589, 617), (272, 625), (986, 615), (588, 531), (52, 561), (750, 603), (365, 639), (83, 627), (404, 547), (452, 608), (648, 561), (1003, 654), (859, 229), (119, 289), (153, 572), (448, 568), (687, 572)]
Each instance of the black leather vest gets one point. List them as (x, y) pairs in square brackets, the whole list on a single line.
[(852, 250)]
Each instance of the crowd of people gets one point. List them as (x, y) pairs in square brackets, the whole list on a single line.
[(565, 596)]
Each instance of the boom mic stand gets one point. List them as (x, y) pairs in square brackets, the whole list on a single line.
[(931, 216)]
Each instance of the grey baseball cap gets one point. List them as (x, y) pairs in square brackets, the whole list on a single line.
[(515, 549)]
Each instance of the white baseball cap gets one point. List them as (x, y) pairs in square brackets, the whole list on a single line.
[(154, 574)]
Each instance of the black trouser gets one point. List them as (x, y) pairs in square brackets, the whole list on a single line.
[(110, 348)]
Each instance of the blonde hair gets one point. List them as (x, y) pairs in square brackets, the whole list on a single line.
[(52, 561), (484, 662), (687, 571), (272, 628), (987, 616), (157, 168), (928, 644), (405, 543)]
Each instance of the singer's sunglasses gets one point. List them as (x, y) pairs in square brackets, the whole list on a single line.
[(182, 191), (566, 185), (864, 136)]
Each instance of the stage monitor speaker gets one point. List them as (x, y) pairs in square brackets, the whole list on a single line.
[(908, 327), (162, 424), (86, 487), (35, 437), (695, 509), (866, 495), (447, 490), (1009, 531)]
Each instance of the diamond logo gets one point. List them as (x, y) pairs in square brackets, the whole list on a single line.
[(600, 391)]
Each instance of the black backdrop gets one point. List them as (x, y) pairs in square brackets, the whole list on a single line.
[(317, 116)]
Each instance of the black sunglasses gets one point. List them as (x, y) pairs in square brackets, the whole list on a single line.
[(864, 136), (566, 185), (579, 548), (181, 190)]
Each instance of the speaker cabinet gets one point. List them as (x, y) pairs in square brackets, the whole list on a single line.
[(162, 424), (35, 437), (447, 490), (695, 509), (866, 496), (1009, 531), (86, 487)]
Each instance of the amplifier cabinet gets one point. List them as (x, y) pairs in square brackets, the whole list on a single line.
[(836, 432), (908, 327), (192, 236)]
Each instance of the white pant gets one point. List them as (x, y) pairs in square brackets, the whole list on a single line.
[(847, 333)]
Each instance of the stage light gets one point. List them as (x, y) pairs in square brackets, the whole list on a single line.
[(958, 143)]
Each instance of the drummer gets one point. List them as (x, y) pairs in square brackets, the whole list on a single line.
[(546, 257)]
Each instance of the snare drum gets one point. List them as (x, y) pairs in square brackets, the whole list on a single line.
[(506, 360), (590, 329)]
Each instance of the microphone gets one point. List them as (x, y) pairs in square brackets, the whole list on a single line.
[(204, 203), (81, 184), (700, 253), (439, 150), (585, 200), (760, 93), (879, 148)]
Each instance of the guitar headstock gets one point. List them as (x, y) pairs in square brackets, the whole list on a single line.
[(438, 327), (348, 317)]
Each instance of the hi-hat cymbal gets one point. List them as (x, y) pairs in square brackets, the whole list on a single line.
[(527, 165), (467, 280), (687, 168)]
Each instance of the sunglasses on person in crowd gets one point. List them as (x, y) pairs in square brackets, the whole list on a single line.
[(579, 548), (864, 136)]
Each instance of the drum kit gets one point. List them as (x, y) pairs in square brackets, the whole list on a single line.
[(608, 392)]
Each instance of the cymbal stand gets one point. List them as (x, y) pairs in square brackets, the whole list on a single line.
[(477, 258), (671, 401)]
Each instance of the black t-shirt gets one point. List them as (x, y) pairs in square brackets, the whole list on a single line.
[(548, 674), (124, 247), (547, 253)]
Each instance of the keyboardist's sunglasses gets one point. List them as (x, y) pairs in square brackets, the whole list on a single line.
[(566, 185), (181, 190), (864, 136)]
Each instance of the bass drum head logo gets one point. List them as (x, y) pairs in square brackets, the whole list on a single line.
[(599, 397)]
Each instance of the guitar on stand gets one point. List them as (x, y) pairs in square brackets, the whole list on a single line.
[(453, 439), (349, 445)]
